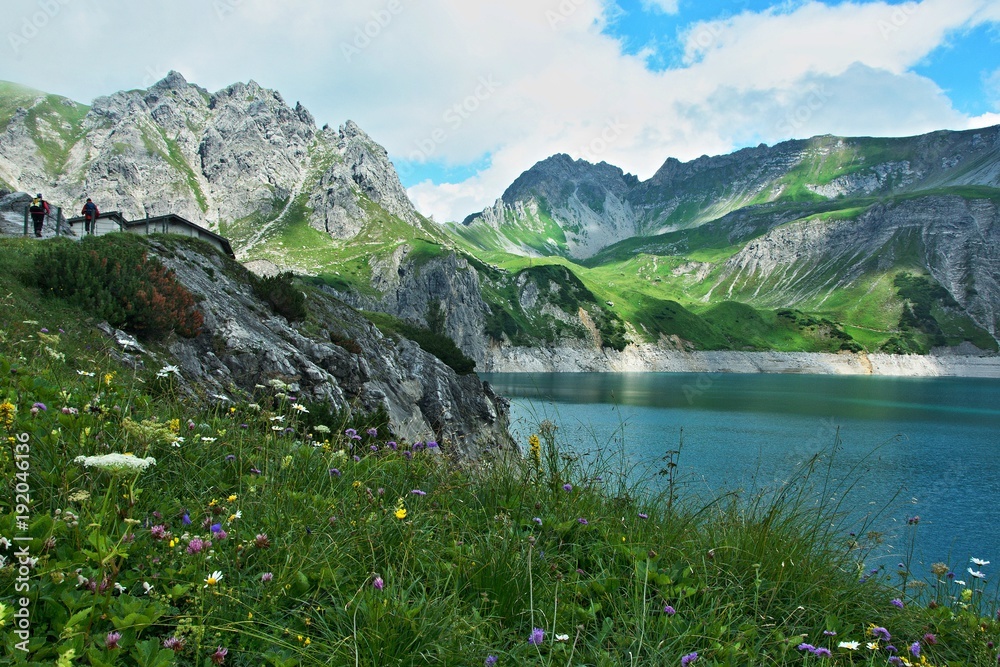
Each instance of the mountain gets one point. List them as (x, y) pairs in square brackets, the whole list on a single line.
[(240, 160), (827, 244)]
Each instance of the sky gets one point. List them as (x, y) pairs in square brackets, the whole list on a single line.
[(466, 95)]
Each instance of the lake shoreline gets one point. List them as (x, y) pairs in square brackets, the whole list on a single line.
[(656, 359)]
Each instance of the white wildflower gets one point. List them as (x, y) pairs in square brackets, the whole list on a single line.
[(167, 370), (116, 462)]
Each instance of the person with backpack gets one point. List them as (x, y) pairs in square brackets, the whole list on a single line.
[(90, 214), (39, 209)]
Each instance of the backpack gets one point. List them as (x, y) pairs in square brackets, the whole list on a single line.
[(90, 210), (36, 206)]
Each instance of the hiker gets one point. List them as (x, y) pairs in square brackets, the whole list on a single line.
[(90, 213), (39, 209)]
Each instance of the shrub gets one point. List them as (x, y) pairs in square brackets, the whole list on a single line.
[(113, 277), (439, 345), (283, 296)]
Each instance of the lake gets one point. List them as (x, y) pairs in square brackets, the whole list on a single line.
[(913, 447)]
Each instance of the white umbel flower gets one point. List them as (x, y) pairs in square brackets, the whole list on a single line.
[(116, 462)]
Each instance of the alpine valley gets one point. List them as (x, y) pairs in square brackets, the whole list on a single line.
[(880, 253)]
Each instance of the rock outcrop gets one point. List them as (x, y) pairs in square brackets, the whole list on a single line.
[(343, 360)]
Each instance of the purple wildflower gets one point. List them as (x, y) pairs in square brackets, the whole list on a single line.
[(195, 545), (897, 603), (408, 455), (111, 641), (582, 521), (821, 652), (881, 633), (643, 515), (431, 444), (230, 458), (219, 656), (418, 492), (266, 577), (829, 633), (39, 406), (537, 637), (186, 519), (216, 527), (806, 647), (261, 541), (158, 532), (915, 649), (175, 644), (254, 471), (350, 432), (334, 472), (688, 659), (895, 661), (567, 487), (930, 638), (378, 584), (372, 432), (490, 661), (357, 459), (392, 445), (668, 610), (538, 520)]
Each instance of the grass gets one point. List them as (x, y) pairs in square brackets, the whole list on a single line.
[(335, 544)]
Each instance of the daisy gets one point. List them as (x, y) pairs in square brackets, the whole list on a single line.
[(979, 562), (213, 579)]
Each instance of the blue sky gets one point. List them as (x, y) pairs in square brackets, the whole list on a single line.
[(466, 96)]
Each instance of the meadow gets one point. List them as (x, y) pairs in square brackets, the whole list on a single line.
[(147, 523)]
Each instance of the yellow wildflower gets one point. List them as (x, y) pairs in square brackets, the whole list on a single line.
[(174, 425), (401, 513), (536, 449), (231, 498), (7, 412), (108, 377)]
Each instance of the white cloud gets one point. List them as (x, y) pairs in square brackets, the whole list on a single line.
[(665, 6), (517, 81)]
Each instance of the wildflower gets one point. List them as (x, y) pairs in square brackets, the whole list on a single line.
[(881, 633), (490, 661), (167, 370), (915, 649), (378, 584), (537, 637), (299, 407), (372, 432), (159, 532), (334, 472), (976, 573), (897, 603), (582, 521), (418, 492), (896, 660), (392, 445), (939, 569), (643, 515), (219, 656), (688, 659), (821, 652), (147, 587), (872, 646), (230, 458), (213, 579), (116, 462), (36, 407), (431, 444), (668, 610), (206, 438), (829, 633), (175, 644), (195, 545), (806, 647), (111, 641), (186, 519), (850, 646), (266, 577), (373, 448), (401, 513), (538, 520), (930, 638), (7, 412), (979, 562), (535, 449), (86, 373), (567, 487), (261, 541)]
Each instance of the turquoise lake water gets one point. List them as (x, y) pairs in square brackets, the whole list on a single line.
[(924, 447)]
